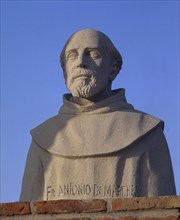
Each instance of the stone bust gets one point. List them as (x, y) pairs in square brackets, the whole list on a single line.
[(98, 146)]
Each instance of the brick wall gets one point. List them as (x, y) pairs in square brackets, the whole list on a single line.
[(154, 208)]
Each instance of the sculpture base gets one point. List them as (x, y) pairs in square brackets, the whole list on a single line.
[(154, 208)]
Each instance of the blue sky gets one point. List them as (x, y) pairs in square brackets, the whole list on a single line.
[(32, 36)]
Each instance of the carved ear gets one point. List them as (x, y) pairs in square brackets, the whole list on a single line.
[(114, 72)]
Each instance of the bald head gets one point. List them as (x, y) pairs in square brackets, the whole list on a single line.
[(90, 63), (98, 38)]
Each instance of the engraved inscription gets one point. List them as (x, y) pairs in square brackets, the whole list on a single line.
[(95, 190)]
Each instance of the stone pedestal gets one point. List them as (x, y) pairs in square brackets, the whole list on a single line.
[(155, 208)]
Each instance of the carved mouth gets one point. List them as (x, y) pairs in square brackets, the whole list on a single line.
[(81, 77)]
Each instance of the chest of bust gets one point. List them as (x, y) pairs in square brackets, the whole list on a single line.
[(93, 177)]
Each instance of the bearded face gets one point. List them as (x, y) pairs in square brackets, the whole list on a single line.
[(88, 66), (84, 83)]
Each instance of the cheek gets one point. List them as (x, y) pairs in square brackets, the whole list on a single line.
[(65, 76), (67, 71), (103, 63), (97, 63), (70, 66)]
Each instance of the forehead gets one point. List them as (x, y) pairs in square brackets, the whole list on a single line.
[(86, 39)]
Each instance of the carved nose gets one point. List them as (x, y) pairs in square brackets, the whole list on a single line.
[(81, 65), (81, 62)]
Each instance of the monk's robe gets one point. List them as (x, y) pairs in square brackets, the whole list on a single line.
[(98, 150)]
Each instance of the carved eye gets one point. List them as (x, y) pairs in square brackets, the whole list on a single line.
[(72, 55), (94, 54)]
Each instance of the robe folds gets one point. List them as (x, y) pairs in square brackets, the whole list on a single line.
[(98, 150)]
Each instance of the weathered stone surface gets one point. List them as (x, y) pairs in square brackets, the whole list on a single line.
[(81, 218), (159, 208), (69, 206), (161, 218), (168, 202), (15, 208), (127, 218), (104, 218)]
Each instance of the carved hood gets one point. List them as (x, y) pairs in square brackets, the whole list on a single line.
[(94, 129)]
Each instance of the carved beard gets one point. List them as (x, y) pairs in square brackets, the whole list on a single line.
[(83, 83)]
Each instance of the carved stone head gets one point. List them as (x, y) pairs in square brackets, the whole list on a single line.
[(90, 63)]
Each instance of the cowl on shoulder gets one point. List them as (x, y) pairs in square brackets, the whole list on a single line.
[(94, 129)]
